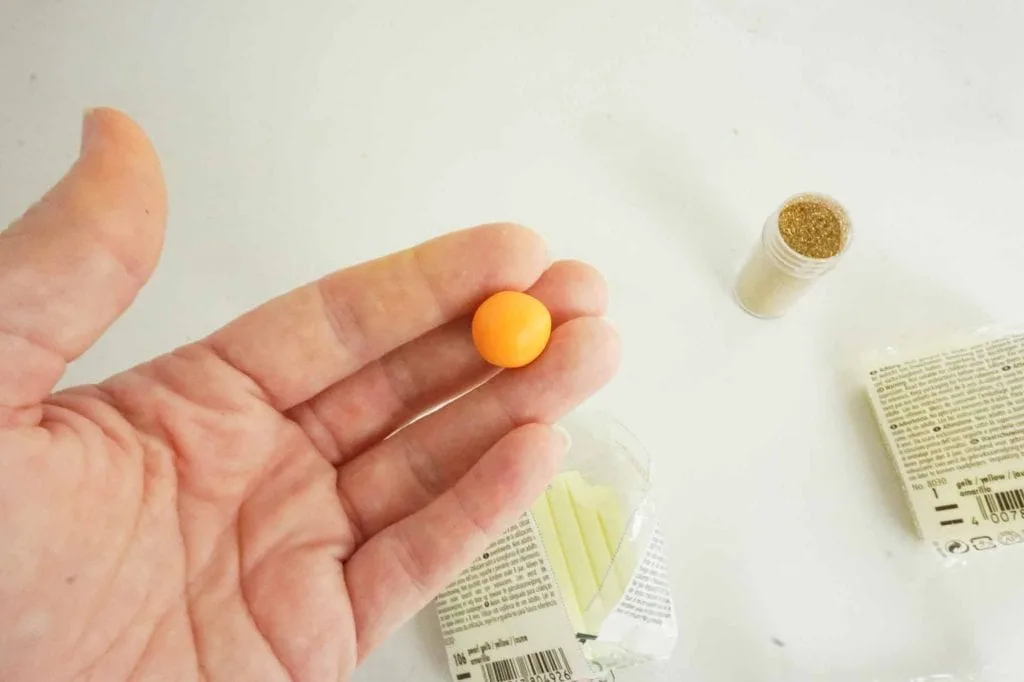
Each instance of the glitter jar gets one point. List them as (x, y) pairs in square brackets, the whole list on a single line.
[(778, 274)]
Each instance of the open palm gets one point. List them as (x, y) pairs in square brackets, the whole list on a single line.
[(259, 505)]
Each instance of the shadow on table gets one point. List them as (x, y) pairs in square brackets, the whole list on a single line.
[(712, 236)]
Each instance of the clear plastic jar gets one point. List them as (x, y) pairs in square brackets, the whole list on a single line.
[(777, 276)]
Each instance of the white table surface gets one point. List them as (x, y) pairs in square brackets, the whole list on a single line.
[(652, 139)]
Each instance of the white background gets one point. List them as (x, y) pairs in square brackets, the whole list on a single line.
[(652, 139)]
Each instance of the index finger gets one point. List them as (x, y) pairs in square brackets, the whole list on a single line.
[(295, 346)]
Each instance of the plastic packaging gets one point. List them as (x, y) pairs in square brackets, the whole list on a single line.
[(577, 589), (776, 276), (952, 416)]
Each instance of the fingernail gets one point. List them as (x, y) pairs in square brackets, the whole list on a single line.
[(88, 129), (564, 435)]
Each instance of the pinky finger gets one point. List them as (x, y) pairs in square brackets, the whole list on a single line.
[(402, 568)]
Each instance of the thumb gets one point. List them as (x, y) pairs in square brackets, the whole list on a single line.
[(76, 260)]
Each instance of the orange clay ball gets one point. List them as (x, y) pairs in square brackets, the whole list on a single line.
[(511, 329)]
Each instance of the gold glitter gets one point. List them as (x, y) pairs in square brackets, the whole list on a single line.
[(799, 244), (812, 229)]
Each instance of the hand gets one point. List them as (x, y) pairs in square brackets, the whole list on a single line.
[(235, 510)]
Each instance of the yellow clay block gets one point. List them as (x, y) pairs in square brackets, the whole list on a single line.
[(546, 525)]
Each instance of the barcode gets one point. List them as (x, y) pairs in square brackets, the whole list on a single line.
[(523, 667), (1006, 501)]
